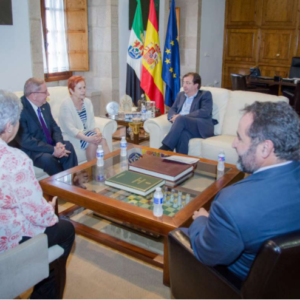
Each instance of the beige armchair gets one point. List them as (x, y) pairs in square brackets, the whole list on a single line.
[(26, 265)]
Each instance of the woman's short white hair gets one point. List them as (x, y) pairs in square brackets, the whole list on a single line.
[(10, 109)]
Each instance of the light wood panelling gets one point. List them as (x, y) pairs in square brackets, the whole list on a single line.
[(76, 4), (263, 33), (241, 45), (271, 71), (277, 46), (280, 13), (77, 34), (243, 12)]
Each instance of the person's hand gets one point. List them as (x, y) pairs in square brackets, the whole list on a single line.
[(174, 118), (80, 178), (60, 145), (60, 151), (53, 202), (200, 213), (95, 139)]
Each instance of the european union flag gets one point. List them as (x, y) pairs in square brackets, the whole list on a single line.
[(171, 62)]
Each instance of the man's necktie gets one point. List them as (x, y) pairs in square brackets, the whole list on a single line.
[(45, 129)]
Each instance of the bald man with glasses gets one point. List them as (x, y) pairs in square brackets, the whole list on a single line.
[(191, 115), (39, 136)]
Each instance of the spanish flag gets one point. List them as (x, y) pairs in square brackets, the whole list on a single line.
[(151, 81)]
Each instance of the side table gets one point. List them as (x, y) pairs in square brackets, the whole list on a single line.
[(136, 138)]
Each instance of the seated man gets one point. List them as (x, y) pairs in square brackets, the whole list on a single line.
[(191, 115), (263, 205), (39, 136)]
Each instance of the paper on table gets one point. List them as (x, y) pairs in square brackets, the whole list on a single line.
[(182, 159)]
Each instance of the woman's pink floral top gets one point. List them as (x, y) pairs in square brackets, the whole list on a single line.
[(23, 210)]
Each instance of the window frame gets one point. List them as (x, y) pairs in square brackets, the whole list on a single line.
[(49, 77)]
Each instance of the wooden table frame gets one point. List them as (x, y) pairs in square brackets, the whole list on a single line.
[(134, 215)]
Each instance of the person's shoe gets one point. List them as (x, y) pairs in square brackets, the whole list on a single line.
[(164, 147)]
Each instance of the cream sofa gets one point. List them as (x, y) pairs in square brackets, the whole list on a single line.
[(106, 126), (227, 107)]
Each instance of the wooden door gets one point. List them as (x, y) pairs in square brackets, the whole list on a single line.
[(242, 13), (241, 45), (277, 46), (279, 13), (263, 33)]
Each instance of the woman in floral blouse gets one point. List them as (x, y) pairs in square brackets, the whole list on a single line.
[(24, 213)]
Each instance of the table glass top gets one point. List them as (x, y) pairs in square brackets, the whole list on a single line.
[(175, 198)]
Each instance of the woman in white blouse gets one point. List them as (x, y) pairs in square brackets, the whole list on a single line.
[(24, 213), (77, 120)]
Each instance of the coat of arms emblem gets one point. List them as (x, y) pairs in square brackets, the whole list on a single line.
[(152, 54), (136, 50)]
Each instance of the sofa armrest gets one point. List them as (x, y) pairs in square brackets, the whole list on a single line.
[(157, 129), (107, 128)]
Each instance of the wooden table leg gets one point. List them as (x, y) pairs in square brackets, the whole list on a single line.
[(166, 273)]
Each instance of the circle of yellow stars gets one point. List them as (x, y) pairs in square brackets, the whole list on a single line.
[(168, 61)]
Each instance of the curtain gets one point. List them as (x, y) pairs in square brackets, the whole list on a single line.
[(56, 37)]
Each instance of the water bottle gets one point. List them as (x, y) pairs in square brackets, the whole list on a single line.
[(157, 202), (100, 174), (123, 146), (144, 112), (221, 164), (124, 163), (100, 155)]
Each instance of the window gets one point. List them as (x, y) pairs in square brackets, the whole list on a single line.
[(65, 38)]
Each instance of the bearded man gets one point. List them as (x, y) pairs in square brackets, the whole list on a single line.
[(263, 205)]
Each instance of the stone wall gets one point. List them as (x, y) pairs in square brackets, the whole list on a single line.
[(36, 38), (103, 53), (189, 35)]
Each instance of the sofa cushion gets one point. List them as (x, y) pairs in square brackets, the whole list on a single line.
[(220, 101), (211, 147), (237, 101), (195, 147), (57, 95)]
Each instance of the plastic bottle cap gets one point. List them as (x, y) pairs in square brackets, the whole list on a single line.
[(158, 189)]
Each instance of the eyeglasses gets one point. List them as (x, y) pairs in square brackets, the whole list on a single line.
[(46, 92)]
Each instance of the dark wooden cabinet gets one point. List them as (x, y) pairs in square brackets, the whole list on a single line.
[(262, 33)]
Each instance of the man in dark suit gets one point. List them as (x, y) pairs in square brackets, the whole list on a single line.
[(191, 115), (39, 136), (263, 205)]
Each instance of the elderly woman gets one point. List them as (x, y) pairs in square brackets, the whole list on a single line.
[(24, 213), (77, 120)]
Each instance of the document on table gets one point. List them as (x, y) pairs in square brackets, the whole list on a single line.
[(182, 159)]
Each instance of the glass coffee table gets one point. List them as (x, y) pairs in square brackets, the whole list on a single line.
[(125, 221)]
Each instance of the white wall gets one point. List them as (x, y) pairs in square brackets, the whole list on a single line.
[(211, 43), (124, 34), (15, 55)]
